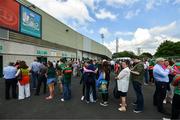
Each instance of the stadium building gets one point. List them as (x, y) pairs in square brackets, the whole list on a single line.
[(27, 32)]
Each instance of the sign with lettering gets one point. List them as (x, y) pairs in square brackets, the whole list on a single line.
[(42, 52), (30, 22)]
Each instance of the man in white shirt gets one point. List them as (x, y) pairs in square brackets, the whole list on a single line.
[(9, 73)]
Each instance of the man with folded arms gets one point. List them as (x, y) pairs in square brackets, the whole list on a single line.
[(161, 82)]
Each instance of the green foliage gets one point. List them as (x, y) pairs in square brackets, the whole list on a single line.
[(124, 54), (168, 48), (146, 55)]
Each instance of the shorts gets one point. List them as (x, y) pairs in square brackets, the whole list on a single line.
[(50, 80), (122, 94)]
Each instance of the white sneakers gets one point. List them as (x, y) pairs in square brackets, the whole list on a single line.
[(166, 119), (104, 104), (122, 109), (82, 98), (62, 99), (164, 101)]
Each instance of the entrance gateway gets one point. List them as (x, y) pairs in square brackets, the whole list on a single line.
[(42, 59), (1, 66)]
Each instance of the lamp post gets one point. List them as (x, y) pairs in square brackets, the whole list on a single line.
[(117, 44), (138, 50), (102, 37)]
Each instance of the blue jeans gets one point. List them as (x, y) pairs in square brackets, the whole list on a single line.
[(138, 90), (66, 91), (146, 76), (34, 77)]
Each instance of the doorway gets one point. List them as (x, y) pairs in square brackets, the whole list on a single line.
[(1, 66), (42, 59)]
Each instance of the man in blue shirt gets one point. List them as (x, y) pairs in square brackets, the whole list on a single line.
[(35, 67), (160, 74), (9, 73)]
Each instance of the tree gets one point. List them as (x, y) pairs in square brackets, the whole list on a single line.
[(124, 54), (168, 48), (146, 55)]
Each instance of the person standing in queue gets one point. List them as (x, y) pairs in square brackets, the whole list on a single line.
[(123, 85), (137, 77), (51, 78), (9, 73), (161, 81)]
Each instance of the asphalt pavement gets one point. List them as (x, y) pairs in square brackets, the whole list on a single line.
[(37, 107)]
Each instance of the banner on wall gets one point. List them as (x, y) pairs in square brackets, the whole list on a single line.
[(30, 22), (9, 14)]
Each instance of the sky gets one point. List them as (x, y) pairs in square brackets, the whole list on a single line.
[(143, 24)]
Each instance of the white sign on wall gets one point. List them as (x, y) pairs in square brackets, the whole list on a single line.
[(1, 47)]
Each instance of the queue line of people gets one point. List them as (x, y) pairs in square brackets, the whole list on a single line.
[(163, 74)]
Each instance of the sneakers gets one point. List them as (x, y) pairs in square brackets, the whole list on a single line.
[(122, 109), (62, 99), (82, 98), (49, 98), (137, 111), (87, 102), (104, 104), (166, 119), (145, 84), (94, 101), (164, 101)]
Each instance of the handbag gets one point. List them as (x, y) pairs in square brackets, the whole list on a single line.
[(98, 82), (116, 92), (103, 86), (19, 77)]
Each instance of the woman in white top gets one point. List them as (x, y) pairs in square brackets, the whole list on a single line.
[(123, 84)]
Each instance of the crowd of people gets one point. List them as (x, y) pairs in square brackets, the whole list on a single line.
[(95, 79)]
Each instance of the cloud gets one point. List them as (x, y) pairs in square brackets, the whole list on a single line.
[(104, 14), (66, 10), (119, 33), (104, 31), (151, 4), (163, 29), (90, 4), (91, 31), (86, 29), (119, 3), (146, 39), (131, 14), (176, 2)]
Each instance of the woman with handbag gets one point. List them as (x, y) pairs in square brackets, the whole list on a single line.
[(104, 79), (23, 80), (122, 85)]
